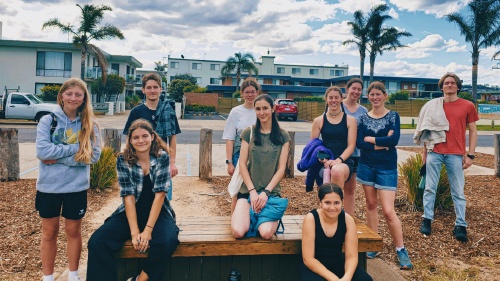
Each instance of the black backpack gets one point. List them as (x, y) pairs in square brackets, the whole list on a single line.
[(53, 124)]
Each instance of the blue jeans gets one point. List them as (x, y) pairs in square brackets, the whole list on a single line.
[(453, 164), (169, 194), (236, 157)]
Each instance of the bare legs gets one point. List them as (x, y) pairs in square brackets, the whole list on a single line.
[(387, 202), (48, 245)]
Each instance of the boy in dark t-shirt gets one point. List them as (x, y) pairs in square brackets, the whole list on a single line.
[(160, 112)]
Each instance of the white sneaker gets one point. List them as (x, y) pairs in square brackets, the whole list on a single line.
[(74, 278)]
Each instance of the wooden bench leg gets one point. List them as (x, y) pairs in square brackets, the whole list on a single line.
[(362, 260)]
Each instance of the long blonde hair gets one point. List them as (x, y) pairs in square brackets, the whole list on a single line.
[(87, 118), (157, 144)]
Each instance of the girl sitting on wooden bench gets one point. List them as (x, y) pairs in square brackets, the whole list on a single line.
[(263, 156), (145, 216)]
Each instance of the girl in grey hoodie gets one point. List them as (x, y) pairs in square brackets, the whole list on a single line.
[(67, 142)]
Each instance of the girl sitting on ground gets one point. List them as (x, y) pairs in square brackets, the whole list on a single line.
[(145, 216), (324, 232)]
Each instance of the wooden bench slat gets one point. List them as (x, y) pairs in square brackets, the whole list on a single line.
[(211, 236)]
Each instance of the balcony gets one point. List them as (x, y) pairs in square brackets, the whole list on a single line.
[(96, 72)]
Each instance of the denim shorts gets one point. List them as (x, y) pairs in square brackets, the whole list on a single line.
[(378, 178)]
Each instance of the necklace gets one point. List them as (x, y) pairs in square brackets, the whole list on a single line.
[(334, 115)]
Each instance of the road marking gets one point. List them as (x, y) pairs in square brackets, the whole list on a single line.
[(27, 171)]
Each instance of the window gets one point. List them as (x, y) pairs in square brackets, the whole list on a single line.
[(116, 68), (214, 66), (196, 66), (174, 64), (332, 72), (198, 80), (39, 86), (339, 73), (413, 86), (53, 64), (214, 81), (276, 82), (295, 70), (314, 71), (280, 70), (18, 99)]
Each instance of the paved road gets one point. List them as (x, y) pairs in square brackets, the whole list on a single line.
[(28, 135)]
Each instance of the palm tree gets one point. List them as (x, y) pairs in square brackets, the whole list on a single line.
[(382, 38), (89, 29), (360, 28), (481, 28), (238, 63), (159, 66)]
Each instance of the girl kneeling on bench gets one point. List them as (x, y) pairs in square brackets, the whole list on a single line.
[(324, 231), (145, 216), (263, 155)]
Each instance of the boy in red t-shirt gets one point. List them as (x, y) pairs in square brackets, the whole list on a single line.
[(460, 113)]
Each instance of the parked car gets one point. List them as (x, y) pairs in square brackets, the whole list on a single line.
[(16, 105), (286, 108)]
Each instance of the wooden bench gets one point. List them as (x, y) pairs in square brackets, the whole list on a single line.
[(207, 251)]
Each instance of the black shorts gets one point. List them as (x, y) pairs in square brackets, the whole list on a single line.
[(73, 205), (350, 163), (242, 195), (355, 165)]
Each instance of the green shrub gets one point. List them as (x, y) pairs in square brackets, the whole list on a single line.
[(49, 92), (132, 100), (237, 94), (409, 170), (401, 95), (103, 173), (310, 98), (465, 96), (200, 108), (194, 89)]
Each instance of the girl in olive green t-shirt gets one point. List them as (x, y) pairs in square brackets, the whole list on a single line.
[(263, 156)]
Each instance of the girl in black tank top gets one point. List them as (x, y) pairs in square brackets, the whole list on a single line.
[(324, 233), (334, 136)]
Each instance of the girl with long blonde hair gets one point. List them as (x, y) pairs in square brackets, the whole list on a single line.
[(67, 142)]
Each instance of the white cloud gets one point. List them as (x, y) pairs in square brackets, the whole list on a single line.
[(431, 43), (439, 8), (351, 6)]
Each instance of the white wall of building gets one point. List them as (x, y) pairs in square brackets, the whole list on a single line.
[(18, 68)]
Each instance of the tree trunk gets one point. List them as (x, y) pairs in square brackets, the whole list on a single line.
[(82, 63), (372, 67), (475, 62), (205, 161), (361, 68), (9, 149), (113, 139)]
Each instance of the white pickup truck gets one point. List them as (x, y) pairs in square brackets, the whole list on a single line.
[(17, 105)]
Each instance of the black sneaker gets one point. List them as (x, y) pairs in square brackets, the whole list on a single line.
[(425, 226), (460, 233)]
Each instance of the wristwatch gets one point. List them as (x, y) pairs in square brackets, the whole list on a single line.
[(229, 162), (267, 192), (471, 156)]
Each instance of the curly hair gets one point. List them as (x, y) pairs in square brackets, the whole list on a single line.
[(157, 144)]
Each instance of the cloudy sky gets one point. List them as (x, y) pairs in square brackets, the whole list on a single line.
[(303, 32)]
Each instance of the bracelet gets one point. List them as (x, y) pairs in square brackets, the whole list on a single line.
[(250, 190), (149, 226), (341, 159)]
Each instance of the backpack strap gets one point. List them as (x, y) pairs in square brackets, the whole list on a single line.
[(53, 124)]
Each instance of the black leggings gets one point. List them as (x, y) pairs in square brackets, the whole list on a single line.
[(109, 239)]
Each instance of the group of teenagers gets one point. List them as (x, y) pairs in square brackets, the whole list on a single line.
[(356, 145)]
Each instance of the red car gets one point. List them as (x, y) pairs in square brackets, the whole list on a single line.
[(286, 108)]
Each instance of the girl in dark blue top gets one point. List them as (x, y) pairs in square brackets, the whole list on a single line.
[(378, 135)]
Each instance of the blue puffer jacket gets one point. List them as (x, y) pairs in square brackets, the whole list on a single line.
[(309, 161)]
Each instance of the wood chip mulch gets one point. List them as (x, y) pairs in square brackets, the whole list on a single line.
[(435, 256), (21, 229)]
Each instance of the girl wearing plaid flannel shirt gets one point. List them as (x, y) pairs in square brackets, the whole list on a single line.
[(145, 216)]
